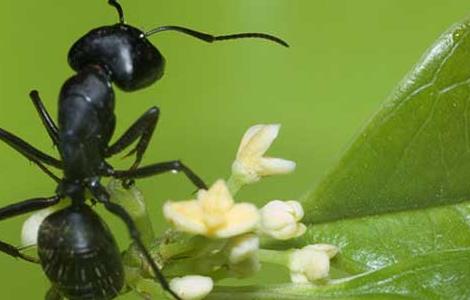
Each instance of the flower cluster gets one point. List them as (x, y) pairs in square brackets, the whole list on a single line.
[(232, 231)]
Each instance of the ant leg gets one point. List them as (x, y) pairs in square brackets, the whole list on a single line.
[(102, 196), (53, 294), (15, 252), (27, 150), (46, 171), (20, 208), (31, 153), (159, 168), (27, 206), (143, 128), (46, 119)]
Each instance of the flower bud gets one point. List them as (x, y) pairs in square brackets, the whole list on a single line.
[(192, 287), (281, 219), (310, 263), (29, 232)]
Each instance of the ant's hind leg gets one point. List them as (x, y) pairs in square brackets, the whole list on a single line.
[(27, 206), (20, 208), (53, 294), (15, 252), (143, 128), (46, 119), (160, 168), (102, 196)]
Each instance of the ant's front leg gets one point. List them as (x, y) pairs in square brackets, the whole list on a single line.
[(46, 119), (143, 128), (160, 168)]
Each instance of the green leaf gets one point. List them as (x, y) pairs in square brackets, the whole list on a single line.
[(437, 275), (396, 204), (371, 243), (415, 153)]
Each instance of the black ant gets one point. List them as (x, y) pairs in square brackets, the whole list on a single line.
[(75, 247)]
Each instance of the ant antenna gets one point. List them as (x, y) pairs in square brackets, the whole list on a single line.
[(118, 7), (211, 38)]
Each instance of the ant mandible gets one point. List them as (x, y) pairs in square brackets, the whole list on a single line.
[(76, 250)]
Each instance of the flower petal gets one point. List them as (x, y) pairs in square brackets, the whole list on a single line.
[(296, 209), (319, 266), (217, 199), (215, 203), (288, 232), (242, 218), (249, 134), (275, 215), (275, 166), (330, 250), (257, 141), (186, 216)]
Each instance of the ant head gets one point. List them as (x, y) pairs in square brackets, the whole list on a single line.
[(124, 51), (132, 61)]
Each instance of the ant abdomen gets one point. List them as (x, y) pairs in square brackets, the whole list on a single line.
[(79, 255)]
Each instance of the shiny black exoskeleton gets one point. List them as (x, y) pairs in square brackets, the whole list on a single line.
[(76, 249), (74, 261)]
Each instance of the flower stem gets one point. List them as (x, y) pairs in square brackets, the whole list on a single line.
[(274, 257), (133, 202), (234, 184)]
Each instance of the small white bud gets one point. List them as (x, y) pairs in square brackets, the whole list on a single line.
[(192, 287), (243, 247), (330, 250), (281, 219), (29, 232), (310, 263)]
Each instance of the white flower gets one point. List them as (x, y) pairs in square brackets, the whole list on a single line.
[(29, 232), (212, 214), (250, 165), (192, 287), (243, 255), (281, 219), (311, 262), (243, 247)]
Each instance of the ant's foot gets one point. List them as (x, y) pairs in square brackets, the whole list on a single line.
[(128, 183)]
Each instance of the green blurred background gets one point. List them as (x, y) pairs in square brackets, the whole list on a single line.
[(345, 58)]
